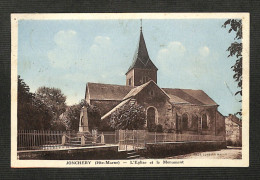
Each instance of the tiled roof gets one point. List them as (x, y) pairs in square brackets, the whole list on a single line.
[(201, 96), (141, 58), (176, 99), (100, 91), (189, 96)]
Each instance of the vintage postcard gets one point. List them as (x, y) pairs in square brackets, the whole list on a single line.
[(130, 90)]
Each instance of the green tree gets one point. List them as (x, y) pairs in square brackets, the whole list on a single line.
[(235, 50), (32, 114), (72, 115), (55, 100), (130, 117)]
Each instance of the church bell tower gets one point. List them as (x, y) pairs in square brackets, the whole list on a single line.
[(142, 69)]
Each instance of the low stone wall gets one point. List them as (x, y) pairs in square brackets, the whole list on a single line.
[(75, 154), (159, 150), (162, 150)]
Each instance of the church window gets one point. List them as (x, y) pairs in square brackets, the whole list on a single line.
[(194, 123), (152, 117), (145, 79), (184, 122), (151, 92), (204, 120), (130, 81)]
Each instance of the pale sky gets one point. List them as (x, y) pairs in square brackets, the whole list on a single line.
[(66, 54)]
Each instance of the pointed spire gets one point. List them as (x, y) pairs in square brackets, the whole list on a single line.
[(141, 26), (141, 57)]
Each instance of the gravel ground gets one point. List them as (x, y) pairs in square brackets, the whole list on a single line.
[(229, 153)]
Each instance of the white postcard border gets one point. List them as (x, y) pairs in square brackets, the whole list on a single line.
[(244, 162)]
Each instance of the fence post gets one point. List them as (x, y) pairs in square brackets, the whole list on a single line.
[(137, 136), (102, 138), (34, 141), (115, 135), (125, 139), (63, 140), (133, 136)]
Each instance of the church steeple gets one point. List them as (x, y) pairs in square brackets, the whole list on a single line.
[(142, 68)]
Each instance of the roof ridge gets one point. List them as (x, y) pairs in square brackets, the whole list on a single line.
[(185, 89), (108, 84)]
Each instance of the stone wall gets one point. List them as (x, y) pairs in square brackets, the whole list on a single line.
[(233, 131), (129, 75), (194, 114), (172, 116), (163, 150), (138, 74), (220, 125), (158, 100), (95, 153)]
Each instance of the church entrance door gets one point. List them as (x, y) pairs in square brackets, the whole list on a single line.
[(150, 117)]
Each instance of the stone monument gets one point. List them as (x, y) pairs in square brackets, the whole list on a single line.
[(83, 121)]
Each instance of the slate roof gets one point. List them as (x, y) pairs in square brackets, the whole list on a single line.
[(141, 58), (189, 96), (100, 91)]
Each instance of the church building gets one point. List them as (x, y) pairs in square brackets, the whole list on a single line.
[(184, 111)]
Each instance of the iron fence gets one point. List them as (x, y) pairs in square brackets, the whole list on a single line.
[(110, 137), (38, 139), (45, 140)]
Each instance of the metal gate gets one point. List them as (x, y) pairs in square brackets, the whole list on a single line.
[(131, 140)]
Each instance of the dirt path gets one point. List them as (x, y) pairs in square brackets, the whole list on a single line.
[(229, 153)]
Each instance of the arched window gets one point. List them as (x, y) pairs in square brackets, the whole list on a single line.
[(194, 122), (184, 122), (130, 81), (151, 116), (151, 92), (204, 120)]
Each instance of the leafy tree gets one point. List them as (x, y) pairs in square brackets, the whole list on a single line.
[(94, 117), (55, 100), (130, 117), (31, 113), (72, 115), (235, 49)]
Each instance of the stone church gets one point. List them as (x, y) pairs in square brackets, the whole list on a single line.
[(181, 110)]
